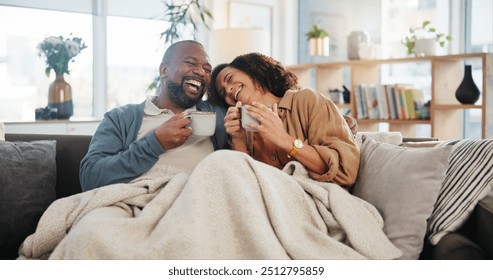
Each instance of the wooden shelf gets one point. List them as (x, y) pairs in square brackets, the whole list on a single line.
[(399, 122), (456, 107), (446, 113)]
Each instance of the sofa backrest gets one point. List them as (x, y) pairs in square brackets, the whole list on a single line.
[(70, 149)]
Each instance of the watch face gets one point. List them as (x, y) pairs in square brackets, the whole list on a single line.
[(298, 143)]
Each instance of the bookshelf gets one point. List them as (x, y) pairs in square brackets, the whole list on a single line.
[(446, 113)]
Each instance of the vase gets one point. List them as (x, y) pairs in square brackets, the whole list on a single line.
[(354, 41), (425, 47), (319, 46), (60, 97), (467, 92)]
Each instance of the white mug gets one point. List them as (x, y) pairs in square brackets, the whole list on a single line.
[(202, 123), (247, 119)]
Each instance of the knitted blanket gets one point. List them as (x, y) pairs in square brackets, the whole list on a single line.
[(229, 207)]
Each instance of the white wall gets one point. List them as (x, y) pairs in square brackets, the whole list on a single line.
[(284, 25), (339, 18)]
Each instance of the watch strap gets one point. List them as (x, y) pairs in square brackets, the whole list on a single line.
[(293, 151)]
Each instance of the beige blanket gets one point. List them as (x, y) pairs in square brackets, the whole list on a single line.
[(229, 207)]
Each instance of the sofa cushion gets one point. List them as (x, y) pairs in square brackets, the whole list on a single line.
[(27, 188), (393, 137), (455, 246), (403, 184), (468, 178), (484, 223)]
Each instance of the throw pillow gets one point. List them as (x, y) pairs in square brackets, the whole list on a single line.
[(392, 137), (27, 188), (403, 184), (467, 181)]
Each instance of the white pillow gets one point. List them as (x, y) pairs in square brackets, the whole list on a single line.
[(403, 184), (393, 137)]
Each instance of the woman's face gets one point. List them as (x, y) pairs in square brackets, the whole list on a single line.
[(234, 85)]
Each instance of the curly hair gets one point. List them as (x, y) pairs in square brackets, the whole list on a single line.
[(212, 94), (265, 71)]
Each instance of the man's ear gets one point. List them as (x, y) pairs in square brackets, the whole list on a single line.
[(162, 70)]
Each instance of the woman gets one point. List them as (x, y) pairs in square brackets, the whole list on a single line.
[(295, 124)]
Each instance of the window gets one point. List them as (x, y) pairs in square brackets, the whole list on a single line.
[(24, 86), (134, 54), (478, 38), (122, 35)]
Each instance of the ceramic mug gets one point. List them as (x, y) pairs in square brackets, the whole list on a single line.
[(202, 123), (247, 119)]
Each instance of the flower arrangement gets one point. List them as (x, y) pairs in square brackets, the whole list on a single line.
[(59, 51)]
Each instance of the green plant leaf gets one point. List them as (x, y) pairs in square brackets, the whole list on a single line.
[(316, 32), (423, 31)]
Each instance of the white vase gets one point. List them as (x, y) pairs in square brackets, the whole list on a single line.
[(354, 40), (319, 46), (425, 47), (367, 51)]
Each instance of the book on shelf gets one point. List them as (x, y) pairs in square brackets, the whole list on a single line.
[(372, 102), (383, 106), (361, 102), (391, 101), (389, 90)]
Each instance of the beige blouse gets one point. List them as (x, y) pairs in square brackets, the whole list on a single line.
[(307, 115)]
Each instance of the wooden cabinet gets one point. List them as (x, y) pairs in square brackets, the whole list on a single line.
[(446, 73)]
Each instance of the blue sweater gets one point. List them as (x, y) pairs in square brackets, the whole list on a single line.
[(115, 156)]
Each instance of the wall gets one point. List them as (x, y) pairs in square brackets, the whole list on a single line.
[(292, 18), (339, 18), (284, 25)]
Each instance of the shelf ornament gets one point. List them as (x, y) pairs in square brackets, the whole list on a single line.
[(424, 40), (318, 39)]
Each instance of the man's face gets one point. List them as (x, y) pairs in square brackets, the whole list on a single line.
[(187, 75)]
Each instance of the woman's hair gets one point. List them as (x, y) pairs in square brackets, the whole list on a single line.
[(212, 94), (265, 71)]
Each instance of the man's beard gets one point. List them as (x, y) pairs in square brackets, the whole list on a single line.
[(178, 96)]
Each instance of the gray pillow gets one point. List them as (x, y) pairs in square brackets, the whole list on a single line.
[(27, 188), (403, 184)]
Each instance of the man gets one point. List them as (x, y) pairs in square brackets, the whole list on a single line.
[(133, 138)]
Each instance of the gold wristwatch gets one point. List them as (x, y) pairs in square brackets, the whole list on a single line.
[(297, 145)]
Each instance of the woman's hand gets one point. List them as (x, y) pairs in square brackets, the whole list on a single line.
[(270, 125), (233, 127)]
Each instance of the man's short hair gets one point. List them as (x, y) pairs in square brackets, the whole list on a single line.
[(169, 53)]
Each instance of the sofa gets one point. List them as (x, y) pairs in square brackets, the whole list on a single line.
[(62, 155)]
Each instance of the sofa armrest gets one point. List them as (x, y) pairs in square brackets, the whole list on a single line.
[(484, 224), (456, 246)]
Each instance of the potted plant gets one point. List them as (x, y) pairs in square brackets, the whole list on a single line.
[(180, 14), (423, 40), (318, 39)]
